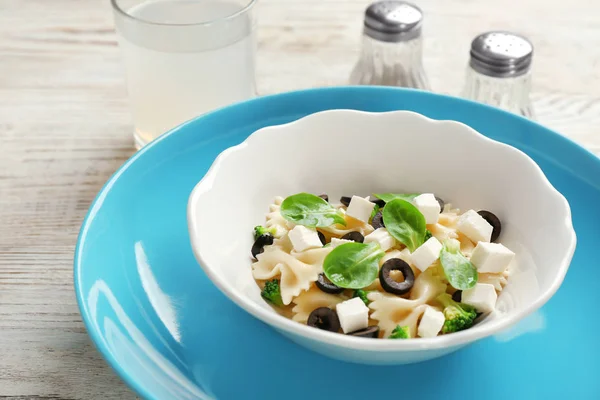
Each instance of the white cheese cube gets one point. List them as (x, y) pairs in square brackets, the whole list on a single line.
[(335, 242), (383, 237), (482, 296), (428, 206), (303, 238), (431, 323), (360, 208), (491, 257), (473, 226), (353, 315), (426, 254)]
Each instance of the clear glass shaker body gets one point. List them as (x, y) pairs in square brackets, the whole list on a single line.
[(511, 94), (499, 72), (390, 64), (392, 47)]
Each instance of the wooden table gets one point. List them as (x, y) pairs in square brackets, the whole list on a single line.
[(65, 128)]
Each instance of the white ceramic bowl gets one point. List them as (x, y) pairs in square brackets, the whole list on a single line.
[(350, 152)]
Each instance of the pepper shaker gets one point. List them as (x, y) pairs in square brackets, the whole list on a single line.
[(392, 47), (499, 72)]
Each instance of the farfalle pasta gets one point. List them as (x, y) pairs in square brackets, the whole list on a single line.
[(310, 300), (278, 225), (296, 270), (397, 266), (391, 310), (352, 225)]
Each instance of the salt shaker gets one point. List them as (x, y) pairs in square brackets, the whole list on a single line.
[(392, 47), (499, 72)]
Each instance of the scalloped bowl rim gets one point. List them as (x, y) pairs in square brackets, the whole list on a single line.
[(438, 342)]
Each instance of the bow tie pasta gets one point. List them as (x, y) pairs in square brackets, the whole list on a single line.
[(398, 266)]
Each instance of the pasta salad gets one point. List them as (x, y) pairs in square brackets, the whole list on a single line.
[(397, 266)]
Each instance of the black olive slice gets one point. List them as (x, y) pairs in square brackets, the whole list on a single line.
[(457, 296), (324, 318), (377, 221), (327, 286), (390, 285), (368, 332), (442, 203), (345, 200), (354, 236), (260, 243), (322, 238), (324, 197), (494, 222)]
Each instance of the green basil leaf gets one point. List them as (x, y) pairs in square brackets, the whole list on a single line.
[(310, 210), (353, 265), (405, 223), (373, 213), (460, 272), (387, 197)]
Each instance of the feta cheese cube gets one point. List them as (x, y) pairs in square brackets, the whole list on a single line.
[(360, 208), (491, 257), (335, 242), (428, 206), (353, 315), (482, 296), (303, 238), (383, 237), (426, 254), (431, 323), (473, 226)]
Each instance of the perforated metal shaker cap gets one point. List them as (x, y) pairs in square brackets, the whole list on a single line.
[(393, 21), (501, 54)]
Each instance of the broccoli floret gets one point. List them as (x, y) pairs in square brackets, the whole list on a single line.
[(272, 292), (362, 294), (261, 230), (400, 332), (459, 316), (428, 235)]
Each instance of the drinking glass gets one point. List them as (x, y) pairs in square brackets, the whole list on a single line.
[(184, 58)]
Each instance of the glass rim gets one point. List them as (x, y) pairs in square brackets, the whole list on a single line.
[(234, 15)]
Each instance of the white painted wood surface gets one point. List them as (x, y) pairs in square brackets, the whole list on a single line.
[(65, 128)]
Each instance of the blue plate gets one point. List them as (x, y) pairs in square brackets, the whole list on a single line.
[(170, 334)]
